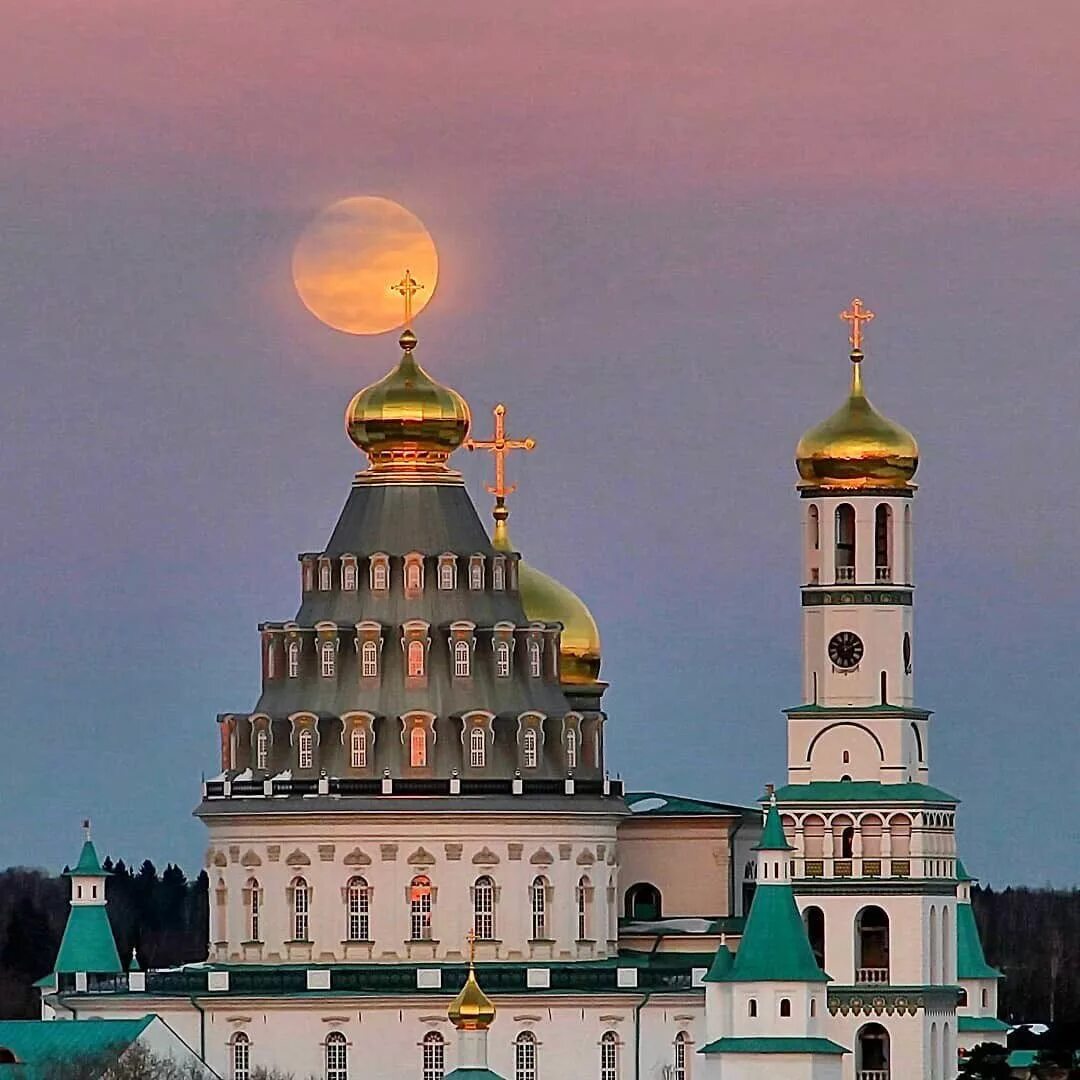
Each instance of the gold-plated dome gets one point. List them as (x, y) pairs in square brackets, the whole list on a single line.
[(857, 447), (407, 420), (472, 1009), (547, 600)]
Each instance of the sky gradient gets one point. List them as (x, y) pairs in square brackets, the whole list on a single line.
[(648, 217)]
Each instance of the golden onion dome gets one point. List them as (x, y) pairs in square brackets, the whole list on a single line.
[(472, 1009), (547, 600), (407, 419), (857, 447)]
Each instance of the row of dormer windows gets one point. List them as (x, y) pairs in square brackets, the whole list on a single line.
[(318, 574), (416, 650)]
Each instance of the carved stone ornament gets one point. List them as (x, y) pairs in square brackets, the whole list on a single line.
[(565, 851), (326, 852), (485, 857), (514, 852), (273, 852), (297, 858), (250, 859), (453, 852), (357, 858), (388, 852), (585, 858), (541, 857), (421, 857)]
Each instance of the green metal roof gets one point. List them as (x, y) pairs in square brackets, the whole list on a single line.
[(980, 1023), (721, 964), (88, 864), (861, 791), (970, 960), (961, 872), (657, 804), (88, 944), (774, 947), (37, 1044), (765, 1045), (1022, 1059), (473, 1074), (857, 710), (773, 838)]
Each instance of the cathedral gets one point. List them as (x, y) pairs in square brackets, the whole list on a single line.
[(420, 868)]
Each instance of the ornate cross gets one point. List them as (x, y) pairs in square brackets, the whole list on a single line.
[(471, 936), (857, 315), (500, 446), (407, 287)]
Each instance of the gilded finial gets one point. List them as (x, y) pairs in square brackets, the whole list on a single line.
[(500, 446), (856, 315), (407, 287), (472, 1009)]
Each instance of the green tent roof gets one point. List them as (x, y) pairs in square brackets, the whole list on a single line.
[(721, 964), (861, 791), (88, 944), (961, 872), (773, 838), (88, 864), (473, 1074), (774, 947), (970, 960), (37, 1044), (980, 1023), (765, 1045)]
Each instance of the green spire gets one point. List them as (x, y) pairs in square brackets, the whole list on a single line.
[(88, 864), (721, 963), (134, 965), (961, 872), (88, 943), (970, 959), (773, 838)]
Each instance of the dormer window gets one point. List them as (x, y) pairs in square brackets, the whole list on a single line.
[(536, 659), (358, 748), (308, 576), (477, 748), (262, 748), (324, 575), (462, 659), (328, 658), (294, 659), (530, 748), (502, 659), (369, 659), (414, 575), (271, 659), (415, 655), (498, 573), (476, 572), (348, 574), (571, 749), (305, 743), (418, 748), (447, 571), (379, 573)]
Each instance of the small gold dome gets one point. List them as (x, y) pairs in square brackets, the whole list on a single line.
[(407, 419), (472, 1009), (547, 600), (857, 447)]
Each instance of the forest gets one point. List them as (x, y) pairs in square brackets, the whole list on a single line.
[(1031, 935)]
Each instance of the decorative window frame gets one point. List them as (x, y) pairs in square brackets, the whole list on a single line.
[(327, 642), (477, 572), (379, 572), (498, 573), (326, 573), (534, 644), (571, 728), (548, 890), (412, 575), (416, 630), (350, 573), (534, 722), (425, 721), (503, 642), (260, 723), (299, 723), (294, 913), (364, 912), (477, 719), (307, 573), (367, 631), (350, 723), (236, 1071), (447, 573), (421, 880), (462, 633), (481, 920)]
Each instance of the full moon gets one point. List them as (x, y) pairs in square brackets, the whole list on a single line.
[(349, 257)]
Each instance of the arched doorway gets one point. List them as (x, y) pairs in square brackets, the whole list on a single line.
[(643, 902), (872, 1053), (814, 919), (872, 946)]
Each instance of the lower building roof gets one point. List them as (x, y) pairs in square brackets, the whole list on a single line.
[(37, 1045), (861, 791), (766, 1045), (980, 1023)]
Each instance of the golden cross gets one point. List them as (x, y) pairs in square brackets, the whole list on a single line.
[(471, 935), (856, 316), (407, 287), (500, 446)]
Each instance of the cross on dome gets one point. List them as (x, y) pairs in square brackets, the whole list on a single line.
[(500, 446), (407, 288), (856, 315)]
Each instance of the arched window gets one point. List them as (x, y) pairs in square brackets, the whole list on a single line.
[(571, 749), (609, 1056), (843, 830), (536, 668), (446, 574), (870, 829), (785, 1008), (814, 836), (583, 891), (872, 946), (815, 528), (461, 659), (845, 542), (947, 939), (358, 748), (380, 574), (962, 998), (498, 574), (262, 748), (357, 910), (935, 972), (328, 654), (643, 902), (484, 909), (420, 908), (414, 576), (477, 748), (254, 908), (476, 574), (305, 748), (538, 893), (309, 577), (271, 660), (872, 1051), (416, 659), (814, 919), (418, 748), (434, 1059), (294, 659), (241, 1057), (681, 1065), (502, 659), (986, 999), (348, 576), (525, 1056), (369, 659), (529, 746), (900, 836), (751, 1008), (301, 909), (324, 576), (883, 543), (337, 1056), (813, 1008)]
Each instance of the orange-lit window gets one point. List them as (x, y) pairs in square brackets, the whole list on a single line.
[(418, 748), (416, 659)]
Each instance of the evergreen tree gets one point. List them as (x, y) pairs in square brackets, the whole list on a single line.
[(987, 1061)]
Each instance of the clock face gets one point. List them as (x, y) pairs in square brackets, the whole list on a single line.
[(846, 649)]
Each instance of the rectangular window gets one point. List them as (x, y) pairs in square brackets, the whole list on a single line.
[(307, 749), (255, 915), (294, 659), (348, 576), (539, 911), (261, 749), (380, 575), (324, 576), (535, 660), (359, 915), (529, 748), (328, 657), (241, 1056), (502, 659), (359, 748), (571, 749), (498, 575), (418, 748), (300, 913), (446, 574), (461, 659), (477, 748), (369, 659), (476, 574), (434, 1057), (415, 654)]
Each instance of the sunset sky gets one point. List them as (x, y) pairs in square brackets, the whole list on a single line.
[(648, 216)]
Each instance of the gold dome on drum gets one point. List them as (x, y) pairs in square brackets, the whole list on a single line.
[(547, 600), (857, 447), (472, 1009), (407, 420)]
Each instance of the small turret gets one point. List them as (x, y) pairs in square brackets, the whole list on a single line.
[(472, 1013)]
